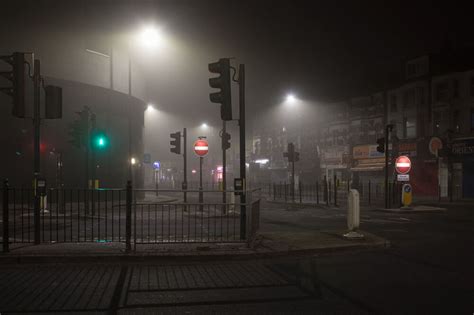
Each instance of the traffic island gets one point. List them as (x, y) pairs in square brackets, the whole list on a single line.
[(414, 209), (314, 242), (270, 244)]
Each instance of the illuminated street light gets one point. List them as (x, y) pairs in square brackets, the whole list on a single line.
[(150, 37), (133, 161), (204, 126), (290, 98), (150, 107)]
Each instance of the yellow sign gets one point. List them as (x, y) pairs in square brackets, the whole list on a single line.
[(407, 195)]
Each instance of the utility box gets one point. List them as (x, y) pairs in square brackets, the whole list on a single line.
[(353, 214)]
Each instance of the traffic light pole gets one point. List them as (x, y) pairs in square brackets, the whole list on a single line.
[(36, 144), (243, 215), (224, 176), (386, 166), (185, 179), (293, 180)]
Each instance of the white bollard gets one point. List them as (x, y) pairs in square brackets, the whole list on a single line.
[(353, 214)]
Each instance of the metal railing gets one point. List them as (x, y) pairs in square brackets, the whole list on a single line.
[(131, 216)]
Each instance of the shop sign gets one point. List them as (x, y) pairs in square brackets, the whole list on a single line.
[(407, 148), (463, 147), (366, 152)]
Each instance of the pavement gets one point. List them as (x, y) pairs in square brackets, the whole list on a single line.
[(426, 270), (266, 244)]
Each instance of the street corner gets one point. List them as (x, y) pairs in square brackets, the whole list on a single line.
[(313, 242)]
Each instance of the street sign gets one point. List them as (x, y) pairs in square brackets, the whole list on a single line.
[(147, 158), (201, 147), (406, 195), (403, 177), (239, 186), (156, 165), (403, 164)]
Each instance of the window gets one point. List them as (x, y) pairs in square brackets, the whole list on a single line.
[(441, 91), (472, 86), (393, 103), (409, 99), (456, 120), (472, 119), (455, 88), (421, 95), (409, 127)]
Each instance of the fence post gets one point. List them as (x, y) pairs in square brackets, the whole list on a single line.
[(300, 191), (317, 192), (285, 192), (6, 236), (128, 217), (369, 192), (335, 190), (274, 191), (326, 192)]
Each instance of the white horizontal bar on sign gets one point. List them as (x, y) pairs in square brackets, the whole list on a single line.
[(403, 164), (201, 148)]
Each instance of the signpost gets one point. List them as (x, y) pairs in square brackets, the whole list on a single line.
[(201, 148)]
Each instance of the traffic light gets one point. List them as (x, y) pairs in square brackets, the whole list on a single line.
[(17, 78), (221, 82), (176, 142), (297, 156), (79, 129), (225, 140), (99, 140), (381, 145), (76, 134)]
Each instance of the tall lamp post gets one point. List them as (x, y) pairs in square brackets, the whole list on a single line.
[(148, 37)]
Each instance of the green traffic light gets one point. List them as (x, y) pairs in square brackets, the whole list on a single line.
[(100, 141)]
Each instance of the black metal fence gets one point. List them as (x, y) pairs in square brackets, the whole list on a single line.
[(126, 215), (333, 192)]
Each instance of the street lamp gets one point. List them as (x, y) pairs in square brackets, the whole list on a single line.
[(150, 107), (290, 98), (148, 37)]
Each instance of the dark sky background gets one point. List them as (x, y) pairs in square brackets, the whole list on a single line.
[(317, 49)]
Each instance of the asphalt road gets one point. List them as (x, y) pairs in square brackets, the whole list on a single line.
[(428, 270)]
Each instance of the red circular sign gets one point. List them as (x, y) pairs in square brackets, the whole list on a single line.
[(201, 147), (403, 164)]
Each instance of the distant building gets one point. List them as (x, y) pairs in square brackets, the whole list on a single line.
[(432, 108)]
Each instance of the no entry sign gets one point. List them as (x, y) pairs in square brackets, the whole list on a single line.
[(201, 147), (403, 164)]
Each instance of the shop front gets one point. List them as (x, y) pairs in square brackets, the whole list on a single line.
[(367, 165), (462, 156)]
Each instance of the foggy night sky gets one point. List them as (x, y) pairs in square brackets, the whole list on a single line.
[(318, 50)]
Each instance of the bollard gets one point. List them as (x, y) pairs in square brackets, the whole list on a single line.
[(6, 234), (335, 191), (353, 215)]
